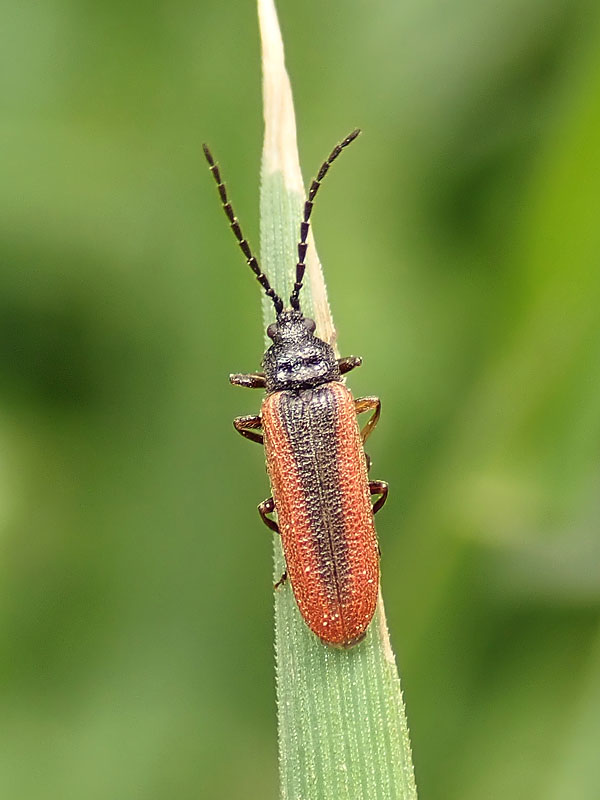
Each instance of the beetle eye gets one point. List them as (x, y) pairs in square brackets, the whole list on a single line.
[(310, 325), (271, 330)]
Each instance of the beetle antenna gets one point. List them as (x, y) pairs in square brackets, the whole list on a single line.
[(243, 243), (308, 206)]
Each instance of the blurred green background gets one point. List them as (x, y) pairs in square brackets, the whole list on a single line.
[(461, 244)]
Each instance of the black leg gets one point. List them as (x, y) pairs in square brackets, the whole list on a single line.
[(247, 427), (373, 404), (380, 488), (281, 581), (268, 507), (348, 363), (253, 380)]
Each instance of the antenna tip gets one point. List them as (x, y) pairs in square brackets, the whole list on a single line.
[(207, 154), (351, 137)]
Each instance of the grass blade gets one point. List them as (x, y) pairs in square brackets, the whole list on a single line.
[(342, 727)]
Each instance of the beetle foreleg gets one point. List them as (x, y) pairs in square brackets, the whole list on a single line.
[(373, 404), (380, 488), (348, 363), (246, 426), (268, 507), (252, 380)]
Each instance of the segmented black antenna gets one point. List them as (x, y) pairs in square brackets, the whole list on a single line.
[(235, 227), (305, 224)]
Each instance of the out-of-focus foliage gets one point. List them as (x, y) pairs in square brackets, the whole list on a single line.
[(461, 244)]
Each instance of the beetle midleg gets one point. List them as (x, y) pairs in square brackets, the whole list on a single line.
[(252, 380), (268, 507), (348, 363), (246, 426), (380, 488), (373, 404)]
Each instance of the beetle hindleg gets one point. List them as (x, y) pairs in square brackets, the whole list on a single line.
[(252, 380), (247, 425), (268, 507), (380, 488), (348, 363), (373, 404), (281, 581)]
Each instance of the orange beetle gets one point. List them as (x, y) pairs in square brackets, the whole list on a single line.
[(315, 458)]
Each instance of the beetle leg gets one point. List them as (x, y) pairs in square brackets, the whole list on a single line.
[(281, 581), (348, 363), (253, 380), (373, 404), (246, 425), (380, 488), (368, 460), (268, 507)]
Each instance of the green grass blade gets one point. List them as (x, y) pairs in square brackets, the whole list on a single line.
[(343, 733)]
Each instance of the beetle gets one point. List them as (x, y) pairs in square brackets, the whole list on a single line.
[(314, 453)]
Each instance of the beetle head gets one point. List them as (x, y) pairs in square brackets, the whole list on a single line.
[(297, 359)]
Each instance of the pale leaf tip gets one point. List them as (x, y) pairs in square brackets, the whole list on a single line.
[(280, 153)]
